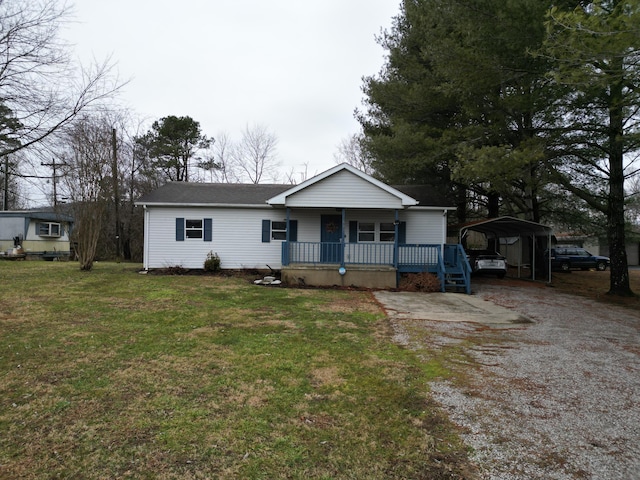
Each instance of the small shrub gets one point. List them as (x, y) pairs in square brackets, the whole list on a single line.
[(420, 282), (212, 263), (176, 270)]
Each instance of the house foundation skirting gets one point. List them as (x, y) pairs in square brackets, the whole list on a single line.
[(363, 276)]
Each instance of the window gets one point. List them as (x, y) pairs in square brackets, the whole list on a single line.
[(278, 230), (366, 232), (193, 228), (387, 232), (49, 229)]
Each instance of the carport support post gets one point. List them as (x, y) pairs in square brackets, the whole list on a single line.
[(519, 255), (533, 262), (549, 256)]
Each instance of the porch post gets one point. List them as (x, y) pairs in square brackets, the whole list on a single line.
[(396, 228), (286, 247), (288, 218), (343, 244)]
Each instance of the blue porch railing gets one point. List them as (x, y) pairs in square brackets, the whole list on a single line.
[(449, 264), (315, 253), (457, 267)]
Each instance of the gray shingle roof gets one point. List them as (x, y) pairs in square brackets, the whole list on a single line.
[(184, 193), (213, 193), (427, 195)]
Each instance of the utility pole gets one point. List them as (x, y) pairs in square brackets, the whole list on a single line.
[(116, 195), (54, 177)]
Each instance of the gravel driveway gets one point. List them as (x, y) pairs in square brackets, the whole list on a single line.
[(558, 398)]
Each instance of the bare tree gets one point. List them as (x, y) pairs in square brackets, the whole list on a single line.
[(88, 168), (350, 151), (219, 161), (39, 83), (255, 154)]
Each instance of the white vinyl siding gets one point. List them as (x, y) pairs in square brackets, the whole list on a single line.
[(344, 190), (236, 238), (425, 226), (237, 233)]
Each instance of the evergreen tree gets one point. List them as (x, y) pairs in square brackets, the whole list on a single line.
[(596, 53), (171, 144)]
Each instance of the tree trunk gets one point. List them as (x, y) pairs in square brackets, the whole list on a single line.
[(619, 279), (493, 205)]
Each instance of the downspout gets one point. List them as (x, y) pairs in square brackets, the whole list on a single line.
[(145, 250), (344, 220)]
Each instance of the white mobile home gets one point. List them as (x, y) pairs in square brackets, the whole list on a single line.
[(39, 233)]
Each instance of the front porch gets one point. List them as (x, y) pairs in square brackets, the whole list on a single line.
[(373, 265)]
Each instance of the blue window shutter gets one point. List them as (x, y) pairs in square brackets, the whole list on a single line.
[(266, 231), (402, 233), (353, 231), (293, 230), (208, 229), (179, 229)]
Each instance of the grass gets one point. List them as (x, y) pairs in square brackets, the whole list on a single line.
[(112, 374)]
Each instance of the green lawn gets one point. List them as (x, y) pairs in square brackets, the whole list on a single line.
[(112, 374)]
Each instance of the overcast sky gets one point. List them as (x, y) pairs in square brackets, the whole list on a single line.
[(294, 66)]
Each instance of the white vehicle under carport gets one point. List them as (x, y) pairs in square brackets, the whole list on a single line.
[(491, 263)]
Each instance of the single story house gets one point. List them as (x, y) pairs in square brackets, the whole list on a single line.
[(341, 227), (41, 233)]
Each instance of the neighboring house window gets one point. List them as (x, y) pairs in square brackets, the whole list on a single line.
[(277, 230), (387, 232), (46, 229), (366, 232), (194, 229)]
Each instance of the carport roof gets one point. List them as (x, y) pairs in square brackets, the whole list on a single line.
[(502, 227)]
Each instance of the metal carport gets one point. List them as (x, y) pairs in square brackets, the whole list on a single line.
[(507, 227)]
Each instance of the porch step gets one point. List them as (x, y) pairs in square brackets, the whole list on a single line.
[(456, 280)]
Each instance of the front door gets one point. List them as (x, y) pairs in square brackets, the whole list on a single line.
[(330, 237)]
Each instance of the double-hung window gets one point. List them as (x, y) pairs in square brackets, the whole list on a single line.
[(194, 229), (277, 230), (387, 232), (366, 232)]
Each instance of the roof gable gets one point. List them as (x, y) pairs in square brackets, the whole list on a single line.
[(343, 186)]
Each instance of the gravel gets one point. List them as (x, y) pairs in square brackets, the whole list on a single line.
[(558, 398)]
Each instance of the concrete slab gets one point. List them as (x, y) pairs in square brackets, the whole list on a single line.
[(446, 307)]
